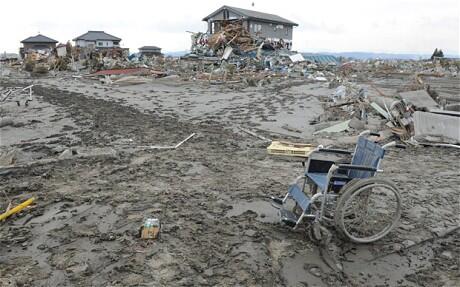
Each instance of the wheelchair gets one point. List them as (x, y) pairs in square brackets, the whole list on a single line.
[(362, 207)]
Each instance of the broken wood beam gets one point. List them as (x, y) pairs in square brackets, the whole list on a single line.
[(254, 134), (169, 146)]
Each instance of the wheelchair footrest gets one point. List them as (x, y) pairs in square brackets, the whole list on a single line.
[(277, 200), (288, 217)]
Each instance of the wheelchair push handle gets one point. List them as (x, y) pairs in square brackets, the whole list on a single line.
[(394, 144), (369, 133)]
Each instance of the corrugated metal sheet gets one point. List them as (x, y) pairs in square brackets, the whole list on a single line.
[(321, 59)]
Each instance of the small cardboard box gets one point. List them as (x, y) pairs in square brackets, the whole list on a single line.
[(150, 232)]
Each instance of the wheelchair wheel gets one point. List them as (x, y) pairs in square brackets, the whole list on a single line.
[(368, 210)]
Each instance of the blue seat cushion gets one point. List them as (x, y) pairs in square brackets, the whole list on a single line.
[(320, 179)]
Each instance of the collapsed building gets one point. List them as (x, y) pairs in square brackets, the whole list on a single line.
[(38, 44)]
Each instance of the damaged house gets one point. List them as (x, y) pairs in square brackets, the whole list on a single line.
[(97, 40), (150, 51), (39, 43), (272, 28)]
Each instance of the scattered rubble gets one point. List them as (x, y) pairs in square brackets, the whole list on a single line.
[(16, 93)]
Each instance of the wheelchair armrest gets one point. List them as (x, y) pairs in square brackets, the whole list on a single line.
[(339, 176), (319, 165), (356, 167), (331, 150)]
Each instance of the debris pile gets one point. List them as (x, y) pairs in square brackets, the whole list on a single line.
[(417, 114), (234, 56), (438, 67), (232, 34), (17, 94)]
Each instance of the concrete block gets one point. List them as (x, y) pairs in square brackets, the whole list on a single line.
[(437, 127), (420, 99)]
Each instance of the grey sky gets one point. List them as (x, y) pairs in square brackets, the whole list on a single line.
[(399, 26)]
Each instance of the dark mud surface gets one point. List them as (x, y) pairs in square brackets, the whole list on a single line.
[(211, 197)]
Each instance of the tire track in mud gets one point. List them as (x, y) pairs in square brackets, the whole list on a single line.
[(106, 121)]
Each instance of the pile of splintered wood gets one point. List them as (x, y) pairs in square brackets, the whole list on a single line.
[(234, 34)]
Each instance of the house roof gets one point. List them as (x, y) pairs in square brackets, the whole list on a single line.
[(251, 14), (39, 39), (97, 35), (149, 48)]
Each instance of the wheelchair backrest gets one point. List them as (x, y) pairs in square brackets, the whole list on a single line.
[(367, 153)]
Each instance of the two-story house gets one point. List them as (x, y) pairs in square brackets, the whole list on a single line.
[(263, 25), (37, 43), (97, 40), (150, 51)]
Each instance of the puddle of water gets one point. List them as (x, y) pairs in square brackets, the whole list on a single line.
[(265, 211), (253, 254), (389, 270), (306, 267), (309, 267)]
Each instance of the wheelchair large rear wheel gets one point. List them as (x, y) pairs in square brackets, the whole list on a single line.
[(368, 210)]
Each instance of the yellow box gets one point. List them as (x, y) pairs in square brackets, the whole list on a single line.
[(290, 149)]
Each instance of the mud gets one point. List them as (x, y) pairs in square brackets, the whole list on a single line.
[(211, 194)]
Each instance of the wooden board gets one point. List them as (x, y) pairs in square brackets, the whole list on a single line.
[(290, 149)]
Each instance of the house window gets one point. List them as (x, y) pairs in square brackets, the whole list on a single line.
[(257, 28), (100, 44), (287, 31)]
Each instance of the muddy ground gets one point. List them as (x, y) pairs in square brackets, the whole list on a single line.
[(218, 228)]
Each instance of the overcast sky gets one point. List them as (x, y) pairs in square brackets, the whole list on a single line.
[(396, 26)]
